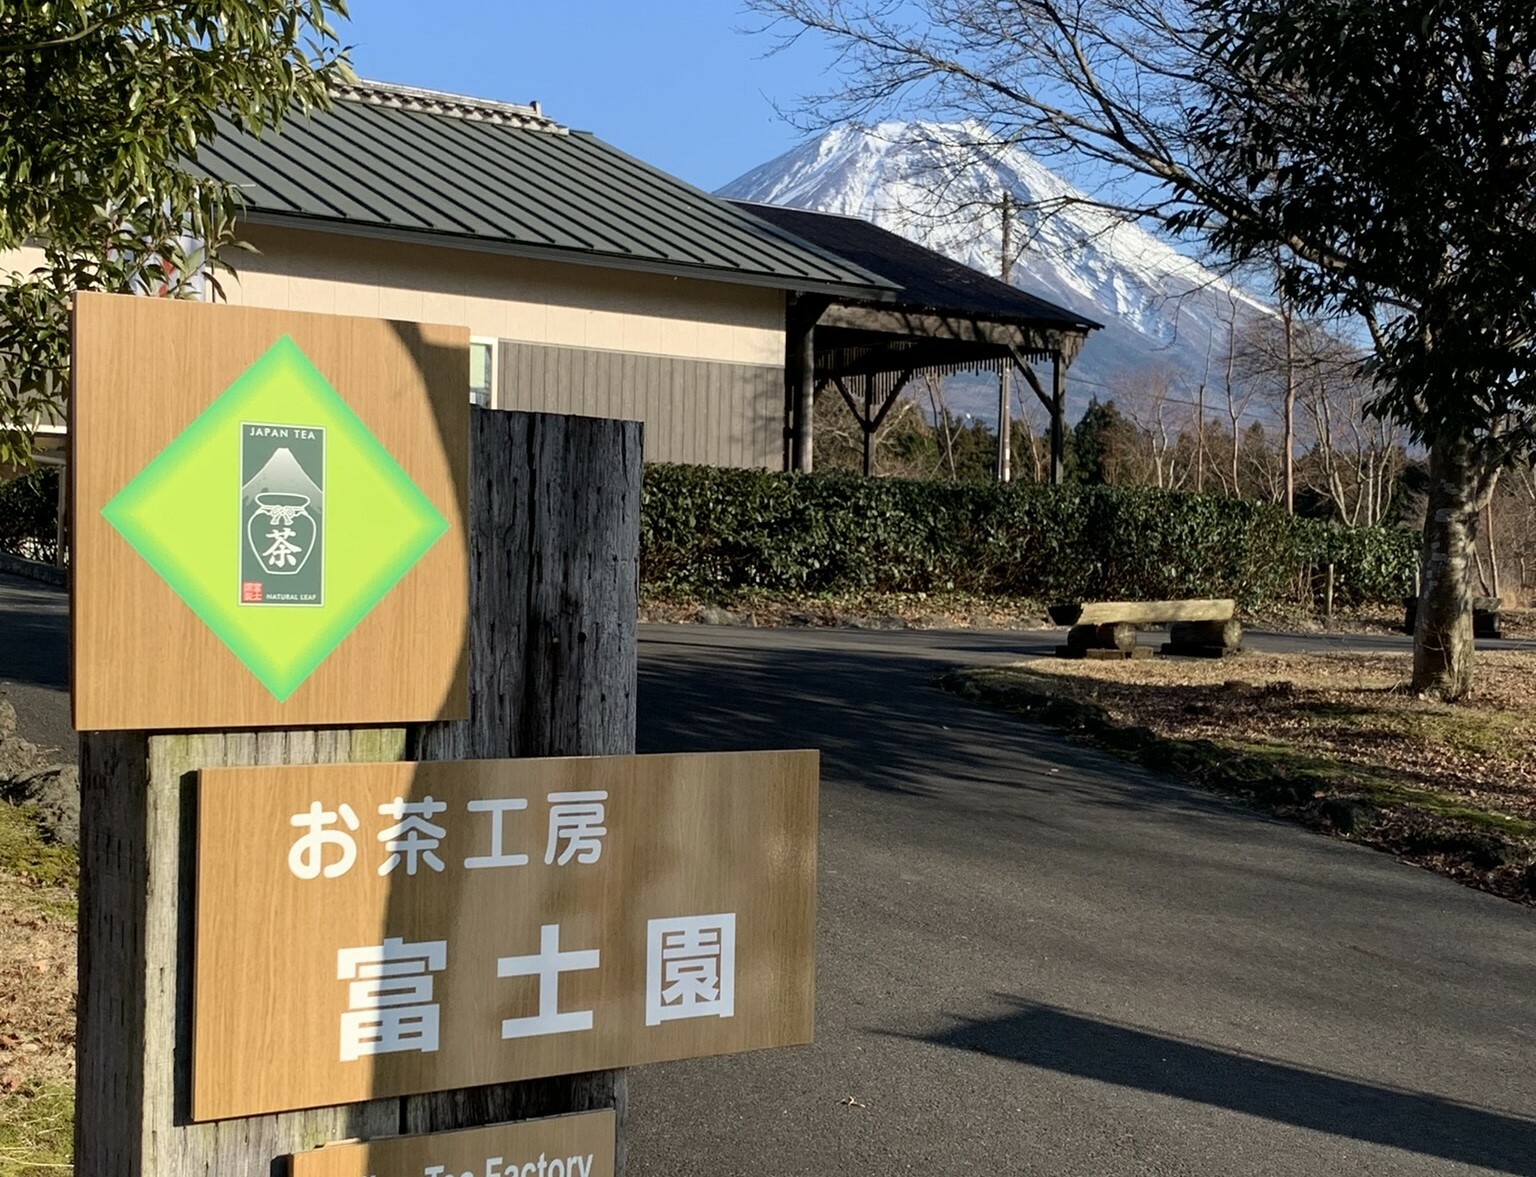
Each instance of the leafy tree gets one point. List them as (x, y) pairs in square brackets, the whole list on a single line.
[(101, 102), (1378, 156), (1105, 446)]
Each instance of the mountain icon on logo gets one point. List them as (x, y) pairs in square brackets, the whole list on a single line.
[(283, 474)]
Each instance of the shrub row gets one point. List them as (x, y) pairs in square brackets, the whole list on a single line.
[(709, 531), (29, 508)]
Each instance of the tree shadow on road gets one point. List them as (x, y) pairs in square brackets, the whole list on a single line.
[(1070, 1043), (34, 634), (881, 724)]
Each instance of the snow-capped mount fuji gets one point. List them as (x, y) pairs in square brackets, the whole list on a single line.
[(941, 184), (282, 473)]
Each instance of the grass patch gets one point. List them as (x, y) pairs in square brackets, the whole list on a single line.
[(38, 911), (1331, 740), (24, 855), (37, 1131)]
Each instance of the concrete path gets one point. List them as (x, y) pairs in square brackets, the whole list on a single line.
[(1037, 960)]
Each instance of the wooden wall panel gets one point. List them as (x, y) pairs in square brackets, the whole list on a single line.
[(695, 411)]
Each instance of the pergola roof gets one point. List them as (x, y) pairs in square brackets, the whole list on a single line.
[(946, 317), (928, 281)]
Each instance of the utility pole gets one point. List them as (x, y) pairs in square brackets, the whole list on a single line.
[(1005, 373), (1288, 317)]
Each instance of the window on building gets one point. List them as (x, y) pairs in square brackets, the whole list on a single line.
[(482, 371)]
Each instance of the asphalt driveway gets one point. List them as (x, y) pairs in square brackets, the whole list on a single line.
[(1037, 960)]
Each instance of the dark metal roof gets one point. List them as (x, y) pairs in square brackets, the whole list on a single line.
[(928, 281), (393, 161)]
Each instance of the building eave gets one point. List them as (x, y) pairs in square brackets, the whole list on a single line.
[(606, 261)]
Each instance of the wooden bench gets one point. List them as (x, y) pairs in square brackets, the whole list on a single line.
[(1485, 616), (1107, 629)]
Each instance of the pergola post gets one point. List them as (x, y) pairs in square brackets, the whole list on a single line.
[(867, 428), (800, 379), (1004, 425), (1058, 414)]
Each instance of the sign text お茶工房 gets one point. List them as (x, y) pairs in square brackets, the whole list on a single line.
[(457, 923)]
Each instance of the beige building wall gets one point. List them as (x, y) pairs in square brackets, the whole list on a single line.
[(699, 362), (22, 260)]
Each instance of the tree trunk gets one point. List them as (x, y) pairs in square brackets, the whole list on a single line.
[(1442, 639), (1200, 439)]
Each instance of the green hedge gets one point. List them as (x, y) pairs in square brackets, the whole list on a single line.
[(709, 532), (29, 515)]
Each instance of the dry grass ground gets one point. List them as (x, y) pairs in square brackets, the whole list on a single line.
[(919, 610), (37, 1000), (955, 610), (1334, 740)]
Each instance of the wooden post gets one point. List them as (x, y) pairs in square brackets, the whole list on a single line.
[(1058, 424), (1328, 598), (554, 537), (554, 513)]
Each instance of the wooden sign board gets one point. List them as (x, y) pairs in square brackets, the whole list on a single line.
[(267, 517), (560, 1146), (368, 930)]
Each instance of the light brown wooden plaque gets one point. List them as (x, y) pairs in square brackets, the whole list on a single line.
[(560, 1146), (687, 837), (145, 370)]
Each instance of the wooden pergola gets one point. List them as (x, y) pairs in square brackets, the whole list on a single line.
[(946, 318)]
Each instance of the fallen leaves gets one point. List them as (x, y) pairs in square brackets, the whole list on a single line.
[(1352, 708)]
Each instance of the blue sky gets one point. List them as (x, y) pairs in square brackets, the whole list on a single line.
[(671, 81)]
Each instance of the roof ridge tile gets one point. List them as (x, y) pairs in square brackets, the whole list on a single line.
[(476, 110)]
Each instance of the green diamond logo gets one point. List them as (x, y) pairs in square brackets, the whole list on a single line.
[(278, 518)]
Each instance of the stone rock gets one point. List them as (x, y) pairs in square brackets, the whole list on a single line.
[(16, 757), (54, 791), (714, 615), (7, 720)]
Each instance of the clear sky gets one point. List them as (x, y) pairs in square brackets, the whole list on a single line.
[(674, 82)]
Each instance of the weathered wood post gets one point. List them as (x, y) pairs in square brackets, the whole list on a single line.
[(553, 535)]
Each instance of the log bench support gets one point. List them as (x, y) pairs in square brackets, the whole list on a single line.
[(1485, 617), (1204, 639)]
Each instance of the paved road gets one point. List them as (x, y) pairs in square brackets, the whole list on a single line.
[(1037, 960), (34, 647), (34, 661)]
